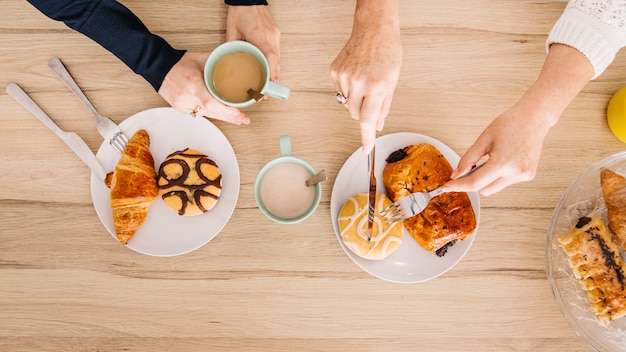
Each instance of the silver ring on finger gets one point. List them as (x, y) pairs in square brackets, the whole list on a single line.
[(341, 99)]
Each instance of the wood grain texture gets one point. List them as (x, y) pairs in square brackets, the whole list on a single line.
[(67, 285)]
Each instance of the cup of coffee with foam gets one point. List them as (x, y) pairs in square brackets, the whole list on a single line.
[(234, 69), (281, 189)]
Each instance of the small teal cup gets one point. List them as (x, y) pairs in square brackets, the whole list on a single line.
[(271, 89), (286, 157)]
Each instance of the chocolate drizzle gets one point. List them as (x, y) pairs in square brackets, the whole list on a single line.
[(582, 222), (607, 253), (609, 256), (196, 191), (396, 156)]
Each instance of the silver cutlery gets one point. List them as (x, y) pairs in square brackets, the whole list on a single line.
[(107, 128), (371, 196), (70, 138), (414, 203)]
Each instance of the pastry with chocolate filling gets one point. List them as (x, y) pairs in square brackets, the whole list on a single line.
[(614, 190), (448, 217), (133, 186), (596, 263), (189, 182), (353, 222)]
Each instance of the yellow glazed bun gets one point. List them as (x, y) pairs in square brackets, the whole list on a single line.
[(352, 219)]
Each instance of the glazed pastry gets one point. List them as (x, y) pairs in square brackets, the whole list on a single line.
[(353, 223), (189, 182), (133, 186), (448, 217), (596, 263), (614, 191)]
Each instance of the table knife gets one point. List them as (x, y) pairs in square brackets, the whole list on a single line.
[(371, 194), (72, 140)]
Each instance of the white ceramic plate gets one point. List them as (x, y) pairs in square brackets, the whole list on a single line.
[(583, 197), (410, 263), (165, 233)]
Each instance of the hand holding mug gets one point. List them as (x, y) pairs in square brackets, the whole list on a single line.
[(234, 69), (184, 89), (256, 25)]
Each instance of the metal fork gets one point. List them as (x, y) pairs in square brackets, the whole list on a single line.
[(414, 203), (108, 129)]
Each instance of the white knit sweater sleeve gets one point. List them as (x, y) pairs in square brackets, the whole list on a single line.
[(597, 28)]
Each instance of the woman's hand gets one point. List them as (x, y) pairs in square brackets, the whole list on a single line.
[(513, 141), (256, 25), (184, 89), (366, 71)]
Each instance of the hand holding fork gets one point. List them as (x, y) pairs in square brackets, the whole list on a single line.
[(414, 203)]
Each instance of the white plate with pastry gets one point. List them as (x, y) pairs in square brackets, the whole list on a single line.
[(410, 262), (582, 204), (164, 232)]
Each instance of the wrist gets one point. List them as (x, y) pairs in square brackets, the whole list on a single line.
[(377, 13), (564, 74)]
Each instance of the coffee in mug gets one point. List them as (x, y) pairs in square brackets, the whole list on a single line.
[(235, 73), (242, 66)]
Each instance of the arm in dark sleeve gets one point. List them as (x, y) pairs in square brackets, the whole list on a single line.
[(118, 30), (245, 2)]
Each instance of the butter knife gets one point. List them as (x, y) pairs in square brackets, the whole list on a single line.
[(371, 197), (72, 140)]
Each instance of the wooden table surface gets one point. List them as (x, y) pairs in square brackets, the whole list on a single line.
[(67, 285)]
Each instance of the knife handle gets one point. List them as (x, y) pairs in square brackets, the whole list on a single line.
[(76, 144), (85, 154), (17, 93)]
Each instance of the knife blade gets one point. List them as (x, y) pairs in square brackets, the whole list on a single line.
[(72, 140), (371, 197)]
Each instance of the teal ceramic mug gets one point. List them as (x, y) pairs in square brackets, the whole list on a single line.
[(235, 69), (280, 188)]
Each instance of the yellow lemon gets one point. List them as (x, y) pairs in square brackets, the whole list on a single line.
[(616, 114)]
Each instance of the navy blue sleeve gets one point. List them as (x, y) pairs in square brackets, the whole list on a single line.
[(245, 2), (118, 30)]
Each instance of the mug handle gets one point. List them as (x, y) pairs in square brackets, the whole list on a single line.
[(285, 146), (276, 90)]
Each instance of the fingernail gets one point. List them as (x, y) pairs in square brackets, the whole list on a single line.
[(245, 121)]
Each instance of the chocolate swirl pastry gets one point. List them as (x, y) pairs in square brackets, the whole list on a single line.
[(189, 182)]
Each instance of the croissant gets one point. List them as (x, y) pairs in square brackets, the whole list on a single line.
[(614, 191), (133, 186)]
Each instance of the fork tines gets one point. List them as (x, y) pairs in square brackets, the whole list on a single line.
[(119, 141), (393, 213)]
